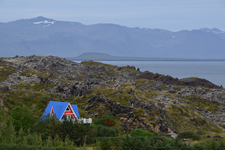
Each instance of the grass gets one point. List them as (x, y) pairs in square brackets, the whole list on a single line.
[(97, 63), (138, 112), (127, 69), (85, 148), (190, 120), (146, 85), (164, 87), (143, 83), (5, 72), (29, 72), (123, 98), (36, 87), (178, 87), (125, 87), (42, 74), (195, 78), (83, 113), (36, 101), (203, 104)]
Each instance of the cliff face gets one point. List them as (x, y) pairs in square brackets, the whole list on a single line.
[(158, 103)]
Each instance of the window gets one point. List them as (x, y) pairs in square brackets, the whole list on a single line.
[(70, 117), (67, 109), (64, 118)]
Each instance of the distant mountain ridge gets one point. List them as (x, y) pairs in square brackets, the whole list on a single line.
[(43, 36), (213, 30), (106, 57)]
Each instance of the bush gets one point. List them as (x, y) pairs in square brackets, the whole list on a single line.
[(22, 118), (106, 120), (140, 132), (189, 134), (104, 144), (28, 147), (103, 131), (141, 143)]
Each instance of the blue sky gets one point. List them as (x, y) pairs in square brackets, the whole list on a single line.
[(163, 14)]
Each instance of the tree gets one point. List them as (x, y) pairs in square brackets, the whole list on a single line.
[(68, 130), (140, 132), (22, 118), (49, 126)]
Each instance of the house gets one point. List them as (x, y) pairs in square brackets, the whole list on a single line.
[(62, 110)]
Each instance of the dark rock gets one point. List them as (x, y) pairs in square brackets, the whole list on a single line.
[(96, 98), (172, 91), (4, 88), (43, 80), (130, 91)]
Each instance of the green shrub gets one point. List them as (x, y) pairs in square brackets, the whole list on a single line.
[(189, 134), (106, 120), (132, 143), (104, 144), (140, 132), (103, 131), (28, 147), (22, 117)]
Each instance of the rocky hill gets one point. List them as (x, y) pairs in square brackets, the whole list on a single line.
[(158, 103)]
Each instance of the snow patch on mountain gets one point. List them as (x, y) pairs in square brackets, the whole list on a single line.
[(45, 22), (213, 30), (46, 25)]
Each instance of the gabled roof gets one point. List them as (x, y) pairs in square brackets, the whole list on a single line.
[(59, 109), (75, 109)]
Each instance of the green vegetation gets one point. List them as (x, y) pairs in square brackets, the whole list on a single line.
[(36, 87), (140, 132), (187, 119), (138, 112), (195, 78), (178, 88), (103, 131), (190, 135), (156, 143), (97, 63), (5, 72), (29, 72), (22, 118), (106, 120), (203, 104)]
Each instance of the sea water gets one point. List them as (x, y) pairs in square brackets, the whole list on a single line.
[(214, 71)]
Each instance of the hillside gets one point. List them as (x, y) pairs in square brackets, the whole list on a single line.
[(43, 36), (157, 103)]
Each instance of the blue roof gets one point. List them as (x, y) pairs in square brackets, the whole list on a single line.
[(59, 108), (75, 109)]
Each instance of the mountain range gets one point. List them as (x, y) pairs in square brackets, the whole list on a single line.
[(43, 36)]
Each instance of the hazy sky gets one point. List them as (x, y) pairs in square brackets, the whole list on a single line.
[(164, 14)]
